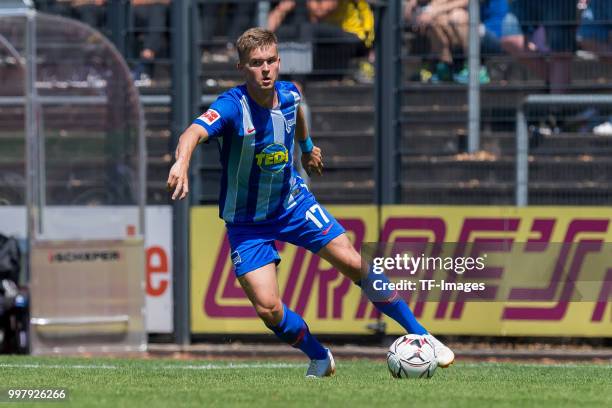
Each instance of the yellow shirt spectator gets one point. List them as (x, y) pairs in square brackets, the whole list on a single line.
[(354, 16)]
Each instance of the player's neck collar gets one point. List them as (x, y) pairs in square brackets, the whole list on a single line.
[(274, 105)]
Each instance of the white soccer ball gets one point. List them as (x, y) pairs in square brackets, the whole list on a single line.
[(412, 356)]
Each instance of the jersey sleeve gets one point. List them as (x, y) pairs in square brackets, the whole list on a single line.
[(219, 118)]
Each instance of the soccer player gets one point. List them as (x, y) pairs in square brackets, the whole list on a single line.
[(263, 198)]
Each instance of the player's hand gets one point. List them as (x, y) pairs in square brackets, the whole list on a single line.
[(313, 161), (178, 180)]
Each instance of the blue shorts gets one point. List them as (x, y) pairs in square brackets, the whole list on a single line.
[(307, 224)]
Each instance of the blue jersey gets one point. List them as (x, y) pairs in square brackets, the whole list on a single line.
[(259, 182)]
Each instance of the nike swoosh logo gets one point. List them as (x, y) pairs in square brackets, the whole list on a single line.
[(326, 230), (249, 131)]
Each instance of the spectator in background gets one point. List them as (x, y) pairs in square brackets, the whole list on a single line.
[(492, 16), (90, 12), (338, 29), (445, 24), (595, 35), (595, 32), (239, 17), (522, 38), (151, 25), (61, 7)]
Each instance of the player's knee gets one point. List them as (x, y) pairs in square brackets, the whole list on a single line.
[(271, 313)]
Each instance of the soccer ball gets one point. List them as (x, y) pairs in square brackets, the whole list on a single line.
[(412, 356)]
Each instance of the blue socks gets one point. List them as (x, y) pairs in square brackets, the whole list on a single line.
[(294, 331), (390, 303)]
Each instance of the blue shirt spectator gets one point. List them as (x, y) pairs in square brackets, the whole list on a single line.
[(492, 14)]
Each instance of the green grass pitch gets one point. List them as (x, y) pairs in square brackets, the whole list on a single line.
[(113, 382)]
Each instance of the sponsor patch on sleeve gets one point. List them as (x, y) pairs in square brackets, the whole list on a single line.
[(210, 116)]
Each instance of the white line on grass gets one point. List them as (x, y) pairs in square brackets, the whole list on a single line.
[(166, 367), (100, 367), (231, 365), (535, 365)]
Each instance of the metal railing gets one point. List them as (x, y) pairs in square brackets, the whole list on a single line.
[(436, 132), (522, 134), (141, 33), (457, 130), (423, 128)]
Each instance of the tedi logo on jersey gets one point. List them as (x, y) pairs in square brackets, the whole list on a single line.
[(273, 158)]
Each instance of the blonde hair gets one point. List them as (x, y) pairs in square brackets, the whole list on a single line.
[(252, 39)]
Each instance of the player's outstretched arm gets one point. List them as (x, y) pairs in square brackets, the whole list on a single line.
[(178, 179), (312, 160)]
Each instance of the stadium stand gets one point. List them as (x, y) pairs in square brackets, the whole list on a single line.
[(339, 31), (569, 164), (342, 123), (150, 24), (78, 127)]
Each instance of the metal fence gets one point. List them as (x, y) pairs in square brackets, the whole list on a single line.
[(139, 29), (458, 135), (567, 168), (72, 92), (446, 132), (423, 129)]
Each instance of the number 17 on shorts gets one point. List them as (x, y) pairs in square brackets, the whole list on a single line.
[(316, 214)]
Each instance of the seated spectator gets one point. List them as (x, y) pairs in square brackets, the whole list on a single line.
[(338, 29), (595, 35), (492, 16), (240, 16), (61, 7), (445, 24), (151, 25), (595, 32), (522, 38), (90, 12)]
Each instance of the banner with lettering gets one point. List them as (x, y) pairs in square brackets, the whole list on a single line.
[(524, 240), (310, 286)]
